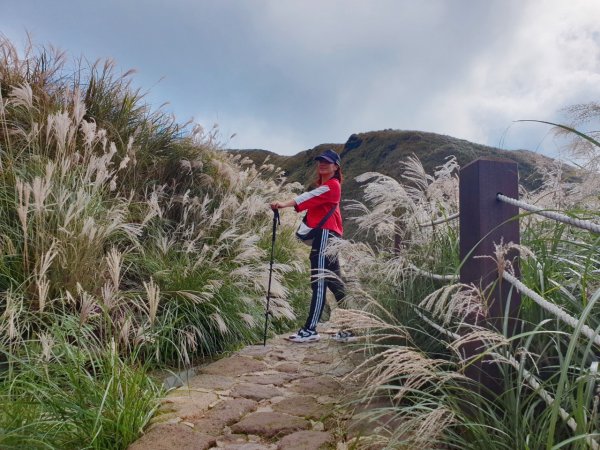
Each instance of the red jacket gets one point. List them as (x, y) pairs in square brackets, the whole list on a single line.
[(319, 202)]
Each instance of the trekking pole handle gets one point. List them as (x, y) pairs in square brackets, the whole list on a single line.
[(276, 220)]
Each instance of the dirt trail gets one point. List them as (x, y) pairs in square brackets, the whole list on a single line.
[(281, 396)]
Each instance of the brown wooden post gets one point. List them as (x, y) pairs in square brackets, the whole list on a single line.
[(485, 221)]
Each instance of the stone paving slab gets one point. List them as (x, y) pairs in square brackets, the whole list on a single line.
[(283, 395), (303, 406), (173, 436), (270, 424), (302, 440), (276, 378), (211, 382), (234, 366), (232, 410), (323, 384), (255, 391)]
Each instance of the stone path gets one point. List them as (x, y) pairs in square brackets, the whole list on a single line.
[(281, 396)]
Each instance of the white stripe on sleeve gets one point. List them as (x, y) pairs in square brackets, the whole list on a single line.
[(311, 194)]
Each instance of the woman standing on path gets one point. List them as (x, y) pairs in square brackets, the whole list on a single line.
[(318, 203)]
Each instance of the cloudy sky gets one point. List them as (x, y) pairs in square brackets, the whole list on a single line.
[(286, 75)]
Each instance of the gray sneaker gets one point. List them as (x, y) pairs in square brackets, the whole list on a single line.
[(304, 335), (344, 336)]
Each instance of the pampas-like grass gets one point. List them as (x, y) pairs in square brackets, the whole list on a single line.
[(419, 365), (78, 157), (413, 369), (132, 234), (455, 302)]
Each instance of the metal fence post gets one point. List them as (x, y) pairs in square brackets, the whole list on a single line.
[(485, 221)]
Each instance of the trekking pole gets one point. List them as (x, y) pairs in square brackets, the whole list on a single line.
[(268, 311)]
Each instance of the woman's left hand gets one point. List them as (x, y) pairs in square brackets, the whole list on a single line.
[(279, 205)]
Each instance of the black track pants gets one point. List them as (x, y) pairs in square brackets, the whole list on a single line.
[(322, 270)]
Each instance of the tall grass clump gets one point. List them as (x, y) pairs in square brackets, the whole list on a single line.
[(70, 391), (139, 235), (416, 319)]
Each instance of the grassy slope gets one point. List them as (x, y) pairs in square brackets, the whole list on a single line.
[(382, 151), (127, 242)]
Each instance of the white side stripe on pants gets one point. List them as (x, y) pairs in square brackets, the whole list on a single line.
[(320, 280)]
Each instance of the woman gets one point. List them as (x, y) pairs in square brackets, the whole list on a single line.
[(318, 203)]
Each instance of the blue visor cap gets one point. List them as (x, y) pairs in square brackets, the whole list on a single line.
[(330, 156)]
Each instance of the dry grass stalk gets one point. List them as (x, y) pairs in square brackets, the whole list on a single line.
[(362, 321), (22, 95), (10, 326), (41, 280), (23, 196), (415, 429), (153, 295), (114, 259), (88, 306), (218, 320), (504, 255), (109, 296), (125, 329), (389, 200), (281, 309), (248, 319), (43, 286), (488, 341), (154, 209), (143, 335), (415, 371), (60, 126), (47, 341), (459, 300), (431, 427), (198, 297), (399, 208), (189, 342), (41, 188)]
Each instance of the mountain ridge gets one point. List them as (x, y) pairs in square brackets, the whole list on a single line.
[(382, 151)]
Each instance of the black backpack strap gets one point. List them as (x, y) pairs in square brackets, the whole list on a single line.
[(327, 216)]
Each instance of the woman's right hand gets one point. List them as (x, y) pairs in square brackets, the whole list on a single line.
[(275, 205)]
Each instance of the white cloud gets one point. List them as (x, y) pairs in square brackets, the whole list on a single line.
[(551, 60), (247, 131), (288, 75)]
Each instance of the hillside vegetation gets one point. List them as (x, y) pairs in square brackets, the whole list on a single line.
[(385, 151), (415, 318), (127, 243), (130, 243), (417, 323)]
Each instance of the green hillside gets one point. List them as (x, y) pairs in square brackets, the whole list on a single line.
[(383, 151)]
